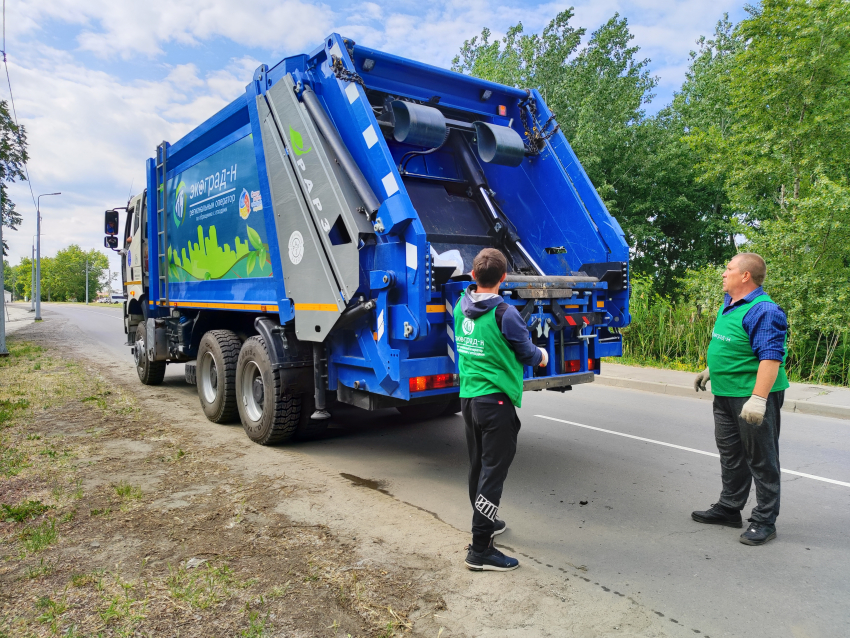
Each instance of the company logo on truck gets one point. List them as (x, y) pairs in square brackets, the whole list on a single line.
[(244, 204), (297, 142), (180, 203)]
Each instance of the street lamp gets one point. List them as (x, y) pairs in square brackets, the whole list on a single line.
[(38, 254)]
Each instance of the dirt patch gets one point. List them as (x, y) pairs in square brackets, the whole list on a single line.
[(139, 532), (292, 548)]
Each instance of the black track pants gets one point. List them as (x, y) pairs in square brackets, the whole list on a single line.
[(491, 434), (747, 453)]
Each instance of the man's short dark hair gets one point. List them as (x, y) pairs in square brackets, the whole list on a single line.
[(489, 266), (753, 264)]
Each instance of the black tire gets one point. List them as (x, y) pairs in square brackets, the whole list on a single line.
[(150, 372), (267, 415), (215, 375), (423, 411), (453, 407)]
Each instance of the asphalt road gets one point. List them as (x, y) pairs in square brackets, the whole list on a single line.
[(634, 536)]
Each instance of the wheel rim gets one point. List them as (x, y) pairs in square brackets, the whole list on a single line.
[(208, 378), (252, 391), (139, 352)]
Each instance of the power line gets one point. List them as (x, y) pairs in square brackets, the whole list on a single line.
[(12, 100)]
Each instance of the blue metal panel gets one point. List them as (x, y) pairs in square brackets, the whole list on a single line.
[(608, 226)]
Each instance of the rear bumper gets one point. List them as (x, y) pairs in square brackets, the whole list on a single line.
[(561, 381)]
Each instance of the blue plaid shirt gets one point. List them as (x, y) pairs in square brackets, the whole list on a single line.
[(765, 324)]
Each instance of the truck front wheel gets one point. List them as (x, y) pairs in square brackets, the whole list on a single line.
[(218, 353), (150, 372), (267, 415)]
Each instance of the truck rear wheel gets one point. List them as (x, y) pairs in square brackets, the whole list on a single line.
[(267, 415), (150, 372), (215, 374)]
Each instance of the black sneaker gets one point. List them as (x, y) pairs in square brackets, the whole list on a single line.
[(499, 527), (758, 533), (490, 560), (718, 515)]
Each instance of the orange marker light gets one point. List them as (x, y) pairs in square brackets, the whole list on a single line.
[(503, 110)]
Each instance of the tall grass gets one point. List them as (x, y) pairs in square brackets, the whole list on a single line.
[(675, 334), (665, 334)]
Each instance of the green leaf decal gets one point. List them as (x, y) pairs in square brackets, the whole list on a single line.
[(173, 272), (254, 238), (252, 261), (261, 257), (207, 276), (297, 142)]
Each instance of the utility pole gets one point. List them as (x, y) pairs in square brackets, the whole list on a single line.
[(32, 280), (3, 351), (87, 281), (38, 254)]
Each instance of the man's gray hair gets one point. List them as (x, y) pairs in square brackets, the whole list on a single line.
[(752, 263)]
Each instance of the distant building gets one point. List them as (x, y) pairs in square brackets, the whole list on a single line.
[(7, 296)]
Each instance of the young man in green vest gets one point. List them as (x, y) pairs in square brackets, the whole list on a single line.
[(746, 365), (493, 345)]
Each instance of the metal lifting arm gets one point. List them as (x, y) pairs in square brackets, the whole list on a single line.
[(328, 130), (478, 183)]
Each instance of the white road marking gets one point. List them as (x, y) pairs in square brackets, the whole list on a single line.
[(682, 447)]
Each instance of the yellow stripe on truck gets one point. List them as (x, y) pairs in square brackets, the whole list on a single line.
[(436, 308), (321, 307)]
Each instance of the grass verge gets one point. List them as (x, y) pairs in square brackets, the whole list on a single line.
[(116, 524)]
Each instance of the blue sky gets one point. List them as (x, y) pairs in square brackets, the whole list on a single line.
[(99, 83)]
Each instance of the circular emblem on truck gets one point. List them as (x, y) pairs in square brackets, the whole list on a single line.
[(296, 247), (468, 326)]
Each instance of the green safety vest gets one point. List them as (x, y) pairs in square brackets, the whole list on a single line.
[(731, 362), (486, 361)]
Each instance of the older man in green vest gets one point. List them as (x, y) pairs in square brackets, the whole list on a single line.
[(746, 365)]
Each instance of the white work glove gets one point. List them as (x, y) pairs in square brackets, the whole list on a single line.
[(701, 380), (753, 410), (545, 360)]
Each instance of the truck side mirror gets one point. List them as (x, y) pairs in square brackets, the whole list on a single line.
[(111, 242), (111, 222)]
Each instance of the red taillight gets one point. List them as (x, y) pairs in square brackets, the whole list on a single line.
[(433, 382), (572, 366)]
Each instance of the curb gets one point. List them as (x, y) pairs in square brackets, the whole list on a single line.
[(657, 387)]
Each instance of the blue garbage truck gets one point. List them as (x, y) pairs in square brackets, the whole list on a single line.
[(306, 246)]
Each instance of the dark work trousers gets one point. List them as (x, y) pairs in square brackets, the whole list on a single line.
[(492, 427), (747, 453)]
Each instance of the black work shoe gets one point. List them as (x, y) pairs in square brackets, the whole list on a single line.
[(758, 533), (718, 515), (499, 527), (490, 560)]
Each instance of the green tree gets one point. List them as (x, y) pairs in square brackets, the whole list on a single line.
[(64, 276), (784, 161), (13, 156)]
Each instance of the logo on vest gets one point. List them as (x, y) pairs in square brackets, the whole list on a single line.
[(720, 337), (468, 326)]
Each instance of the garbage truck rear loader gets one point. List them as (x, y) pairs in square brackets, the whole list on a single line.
[(308, 243)]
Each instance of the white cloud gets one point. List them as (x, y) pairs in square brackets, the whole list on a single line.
[(128, 28)]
